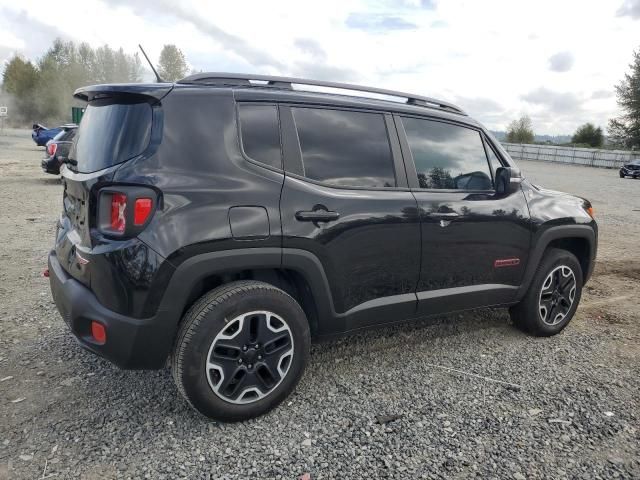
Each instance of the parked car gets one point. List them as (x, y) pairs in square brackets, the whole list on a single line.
[(41, 134), (631, 169), (58, 149), (224, 224)]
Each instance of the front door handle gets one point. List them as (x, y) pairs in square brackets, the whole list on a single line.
[(317, 216)]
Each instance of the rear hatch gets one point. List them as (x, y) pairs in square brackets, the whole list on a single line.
[(117, 126)]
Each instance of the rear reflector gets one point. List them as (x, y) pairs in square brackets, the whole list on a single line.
[(141, 210), (98, 332), (118, 206)]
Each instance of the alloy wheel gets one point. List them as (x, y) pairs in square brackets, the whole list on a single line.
[(557, 295), (250, 357)]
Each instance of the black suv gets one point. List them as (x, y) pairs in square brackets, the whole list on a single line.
[(224, 221)]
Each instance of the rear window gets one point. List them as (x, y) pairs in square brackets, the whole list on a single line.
[(111, 133), (261, 134), (345, 148), (66, 135)]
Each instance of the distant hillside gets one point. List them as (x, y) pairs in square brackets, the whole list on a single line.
[(556, 139)]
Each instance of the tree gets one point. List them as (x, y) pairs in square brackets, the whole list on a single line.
[(625, 130), (588, 134), (20, 79), (42, 91), (520, 131), (172, 65)]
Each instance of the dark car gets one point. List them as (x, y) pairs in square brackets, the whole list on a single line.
[(41, 134), (58, 149), (225, 221), (631, 169)]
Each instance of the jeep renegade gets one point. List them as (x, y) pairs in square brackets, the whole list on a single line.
[(225, 221)]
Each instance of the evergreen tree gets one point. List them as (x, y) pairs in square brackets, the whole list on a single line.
[(588, 134), (624, 131)]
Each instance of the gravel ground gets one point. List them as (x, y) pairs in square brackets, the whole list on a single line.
[(572, 411)]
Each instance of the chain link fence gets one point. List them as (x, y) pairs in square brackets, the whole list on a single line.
[(591, 157)]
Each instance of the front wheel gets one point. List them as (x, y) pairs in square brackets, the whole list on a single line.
[(241, 350), (621, 175), (553, 295)]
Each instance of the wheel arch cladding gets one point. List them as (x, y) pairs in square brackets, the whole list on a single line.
[(577, 239), (301, 277)]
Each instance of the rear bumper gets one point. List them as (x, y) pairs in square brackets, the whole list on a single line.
[(131, 343), (50, 165)]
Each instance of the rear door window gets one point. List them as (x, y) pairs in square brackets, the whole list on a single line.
[(111, 132), (447, 156), (260, 133), (345, 148)]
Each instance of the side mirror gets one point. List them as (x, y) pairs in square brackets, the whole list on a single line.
[(508, 180)]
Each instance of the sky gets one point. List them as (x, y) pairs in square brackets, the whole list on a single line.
[(556, 61)]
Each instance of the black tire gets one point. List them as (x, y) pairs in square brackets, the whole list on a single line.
[(621, 175), (219, 312), (528, 314)]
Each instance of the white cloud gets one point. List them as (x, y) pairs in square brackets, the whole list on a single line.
[(630, 8), (561, 62), (484, 55)]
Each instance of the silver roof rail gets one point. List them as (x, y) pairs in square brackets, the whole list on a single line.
[(238, 79)]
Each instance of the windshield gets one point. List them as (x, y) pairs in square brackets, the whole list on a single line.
[(111, 132)]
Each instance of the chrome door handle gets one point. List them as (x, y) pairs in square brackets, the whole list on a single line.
[(444, 216)]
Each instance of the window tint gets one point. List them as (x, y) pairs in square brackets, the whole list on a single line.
[(66, 136), (261, 133), (111, 133), (345, 148), (447, 156), (493, 159)]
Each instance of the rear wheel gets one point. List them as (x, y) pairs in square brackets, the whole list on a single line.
[(241, 350), (553, 295)]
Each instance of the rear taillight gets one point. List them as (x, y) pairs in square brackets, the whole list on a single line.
[(118, 210), (51, 149), (142, 210), (124, 211)]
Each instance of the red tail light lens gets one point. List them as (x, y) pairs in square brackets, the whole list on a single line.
[(125, 210), (142, 210), (118, 207), (51, 149)]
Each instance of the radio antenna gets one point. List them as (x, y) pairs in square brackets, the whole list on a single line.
[(158, 78)]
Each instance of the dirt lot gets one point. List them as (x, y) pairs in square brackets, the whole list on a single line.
[(573, 411)]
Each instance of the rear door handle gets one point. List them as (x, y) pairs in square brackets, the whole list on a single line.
[(317, 216), (444, 216)]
